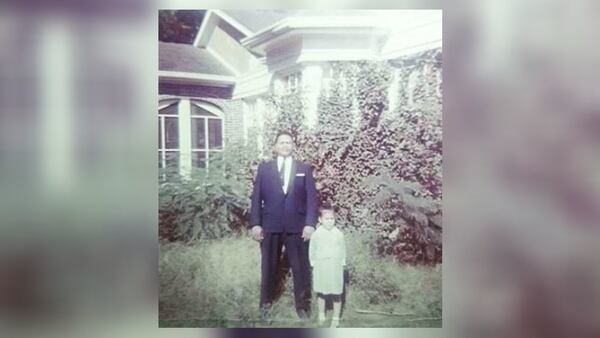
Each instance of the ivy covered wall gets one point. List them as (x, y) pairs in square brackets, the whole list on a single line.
[(381, 165)]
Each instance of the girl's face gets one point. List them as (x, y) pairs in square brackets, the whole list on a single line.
[(327, 219)]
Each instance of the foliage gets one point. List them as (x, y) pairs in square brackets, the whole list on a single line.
[(381, 284), (216, 284), (358, 137), (213, 282), (381, 167), (287, 114), (417, 122), (335, 127), (212, 202), (179, 26), (411, 228)]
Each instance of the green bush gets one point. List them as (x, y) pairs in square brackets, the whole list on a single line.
[(410, 225), (210, 203), (379, 283)]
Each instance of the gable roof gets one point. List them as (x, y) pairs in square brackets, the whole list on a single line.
[(181, 57), (239, 23)]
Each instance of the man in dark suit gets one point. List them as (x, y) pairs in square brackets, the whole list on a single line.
[(284, 213)]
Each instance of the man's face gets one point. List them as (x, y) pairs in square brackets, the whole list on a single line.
[(284, 145)]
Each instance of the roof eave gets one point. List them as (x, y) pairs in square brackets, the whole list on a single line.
[(196, 78), (257, 42)]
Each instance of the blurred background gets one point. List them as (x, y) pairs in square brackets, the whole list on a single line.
[(521, 182)]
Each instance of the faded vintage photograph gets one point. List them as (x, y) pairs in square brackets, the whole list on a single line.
[(300, 168)]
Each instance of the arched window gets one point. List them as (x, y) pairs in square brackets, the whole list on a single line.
[(168, 134), (207, 132)]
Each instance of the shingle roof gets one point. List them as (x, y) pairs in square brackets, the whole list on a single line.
[(256, 20), (187, 58)]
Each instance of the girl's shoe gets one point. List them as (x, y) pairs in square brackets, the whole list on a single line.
[(335, 322), (321, 319)]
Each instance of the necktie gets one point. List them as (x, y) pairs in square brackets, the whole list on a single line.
[(282, 173)]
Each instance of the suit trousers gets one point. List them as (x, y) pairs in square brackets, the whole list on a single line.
[(296, 250)]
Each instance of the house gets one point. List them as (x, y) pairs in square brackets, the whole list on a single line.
[(212, 92)]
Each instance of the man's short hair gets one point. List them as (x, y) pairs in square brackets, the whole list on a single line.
[(283, 132), (327, 206)]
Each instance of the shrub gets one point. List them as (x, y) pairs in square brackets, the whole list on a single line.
[(410, 225), (380, 283), (210, 203)]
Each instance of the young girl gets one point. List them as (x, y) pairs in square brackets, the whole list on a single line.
[(327, 256)]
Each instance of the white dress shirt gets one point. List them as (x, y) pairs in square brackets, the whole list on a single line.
[(288, 170)]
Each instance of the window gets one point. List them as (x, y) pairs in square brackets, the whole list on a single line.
[(168, 135), (292, 82), (207, 134)]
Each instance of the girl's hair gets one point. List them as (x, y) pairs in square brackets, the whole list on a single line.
[(327, 206)]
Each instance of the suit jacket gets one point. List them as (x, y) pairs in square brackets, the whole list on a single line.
[(276, 211)]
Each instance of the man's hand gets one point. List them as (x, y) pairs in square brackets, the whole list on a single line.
[(308, 230), (257, 233)]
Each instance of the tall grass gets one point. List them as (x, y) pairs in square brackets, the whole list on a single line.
[(216, 284)]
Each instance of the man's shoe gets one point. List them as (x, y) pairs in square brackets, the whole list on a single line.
[(265, 314), (302, 315)]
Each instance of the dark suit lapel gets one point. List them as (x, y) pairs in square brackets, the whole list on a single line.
[(275, 174), (292, 177), (274, 170)]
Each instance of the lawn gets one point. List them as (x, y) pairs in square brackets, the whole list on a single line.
[(216, 284)]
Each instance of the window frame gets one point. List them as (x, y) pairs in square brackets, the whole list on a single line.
[(162, 150), (219, 116)]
